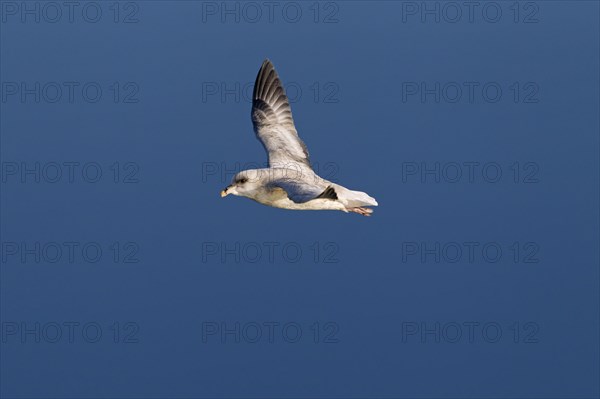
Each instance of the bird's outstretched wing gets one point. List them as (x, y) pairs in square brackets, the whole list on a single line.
[(273, 122)]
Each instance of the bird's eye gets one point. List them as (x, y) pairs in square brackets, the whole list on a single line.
[(242, 180)]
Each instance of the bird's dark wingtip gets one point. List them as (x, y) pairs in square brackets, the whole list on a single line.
[(329, 193)]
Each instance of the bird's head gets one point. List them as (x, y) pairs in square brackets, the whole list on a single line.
[(243, 184)]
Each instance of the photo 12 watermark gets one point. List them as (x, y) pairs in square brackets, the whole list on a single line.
[(69, 332), (470, 12), (469, 252), (69, 92), (270, 12), (272, 252), (327, 92), (269, 332), (470, 92), (470, 332), (223, 172), (470, 172), (69, 252), (69, 12), (69, 172)]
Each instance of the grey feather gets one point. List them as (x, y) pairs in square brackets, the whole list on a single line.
[(297, 190), (273, 121)]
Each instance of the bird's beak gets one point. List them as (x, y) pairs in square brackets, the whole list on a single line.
[(225, 192)]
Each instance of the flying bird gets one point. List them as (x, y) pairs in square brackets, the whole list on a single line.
[(289, 182)]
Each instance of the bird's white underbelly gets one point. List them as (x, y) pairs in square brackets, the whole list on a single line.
[(316, 204)]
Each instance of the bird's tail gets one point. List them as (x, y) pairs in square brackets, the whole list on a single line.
[(352, 199), (362, 199)]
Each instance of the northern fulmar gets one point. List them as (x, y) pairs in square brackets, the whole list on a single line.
[(289, 182)]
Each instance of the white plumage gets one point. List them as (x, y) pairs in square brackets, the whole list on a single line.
[(289, 182)]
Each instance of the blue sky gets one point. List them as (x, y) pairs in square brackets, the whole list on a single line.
[(475, 129)]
